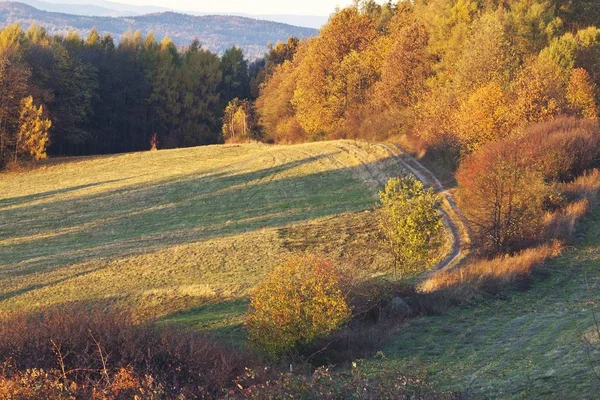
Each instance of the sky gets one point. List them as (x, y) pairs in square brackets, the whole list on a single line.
[(296, 7)]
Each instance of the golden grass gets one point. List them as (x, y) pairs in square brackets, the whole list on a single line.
[(498, 271), (558, 227), (168, 231)]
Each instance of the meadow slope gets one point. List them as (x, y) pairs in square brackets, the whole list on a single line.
[(183, 235), (528, 344)]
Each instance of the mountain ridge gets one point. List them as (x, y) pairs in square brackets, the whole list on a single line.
[(216, 32), (103, 8)]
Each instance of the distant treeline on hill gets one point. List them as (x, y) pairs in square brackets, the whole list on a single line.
[(217, 33), (107, 98)]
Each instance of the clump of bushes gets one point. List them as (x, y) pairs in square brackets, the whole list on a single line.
[(298, 302), (75, 351), (523, 196), (327, 384), (513, 191)]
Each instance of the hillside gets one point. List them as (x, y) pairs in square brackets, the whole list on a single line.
[(216, 32), (526, 345), (184, 230)]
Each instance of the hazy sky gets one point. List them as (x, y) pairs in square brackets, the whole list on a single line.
[(296, 7)]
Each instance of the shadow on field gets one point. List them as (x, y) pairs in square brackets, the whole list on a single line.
[(222, 319), (15, 201), (144, 218)]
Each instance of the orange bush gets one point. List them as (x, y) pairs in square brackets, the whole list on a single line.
[(297, 303)]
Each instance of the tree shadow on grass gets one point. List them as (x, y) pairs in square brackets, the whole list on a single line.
[(222, 319), (19, 200), (145, 218)]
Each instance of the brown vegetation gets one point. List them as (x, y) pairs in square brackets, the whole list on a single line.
[(96, 354), (490, 275)]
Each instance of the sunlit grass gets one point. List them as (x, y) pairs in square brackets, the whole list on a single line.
[(171, 233)]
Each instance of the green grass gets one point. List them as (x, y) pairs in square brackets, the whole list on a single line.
[(184, 235), (528, 345)]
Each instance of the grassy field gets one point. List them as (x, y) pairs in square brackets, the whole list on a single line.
[(528, 345), (183, 235)]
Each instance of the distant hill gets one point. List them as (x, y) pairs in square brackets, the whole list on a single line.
[(96, 8), (103, 8), (216, 32)]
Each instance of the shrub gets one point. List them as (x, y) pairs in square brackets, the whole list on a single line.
[(92, 347), (298, 302), (327, 384), (562, 149), (411, 223)]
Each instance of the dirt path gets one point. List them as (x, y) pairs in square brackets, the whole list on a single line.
[(453, 218)]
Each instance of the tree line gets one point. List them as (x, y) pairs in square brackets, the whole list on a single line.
[(93, 96), (454, 73)]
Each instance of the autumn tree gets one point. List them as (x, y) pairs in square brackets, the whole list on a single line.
[(239, 121), (488, 55), (32, 137), (531, 24), (323, 95), (484, 116), (411, 223), (581, 95), (406, 64), (501, 194), (538, 91), (277, 114), (296, 303)]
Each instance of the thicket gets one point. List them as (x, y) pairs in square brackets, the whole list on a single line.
[(513, 191), (74, 351)]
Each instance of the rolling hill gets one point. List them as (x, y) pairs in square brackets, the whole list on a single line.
[(102, 8), (184, 234), (216, 32)]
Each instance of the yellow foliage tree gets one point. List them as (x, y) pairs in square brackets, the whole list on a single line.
[(321, 96), (298, 302), (538, 91), (32, 138), (580, 94), (483, 117), (406, 65), (411, 223)]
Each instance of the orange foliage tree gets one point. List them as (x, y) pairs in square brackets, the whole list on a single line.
[(501, 196), (297, 302)]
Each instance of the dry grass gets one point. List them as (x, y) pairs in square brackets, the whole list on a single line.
[(493, 273), (183, 230), (558, 227)]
